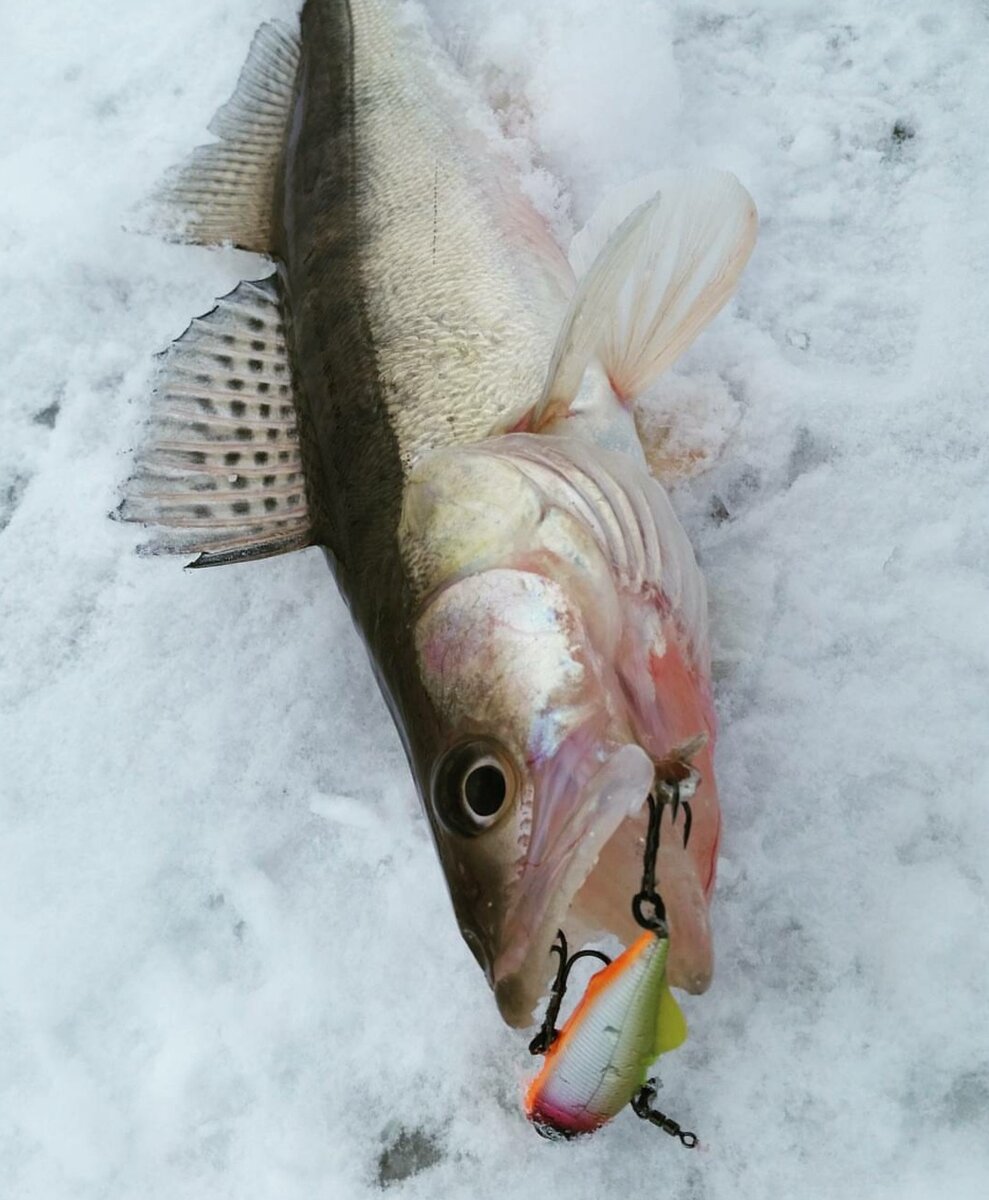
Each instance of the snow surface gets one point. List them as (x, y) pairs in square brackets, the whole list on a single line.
[(228, 967)]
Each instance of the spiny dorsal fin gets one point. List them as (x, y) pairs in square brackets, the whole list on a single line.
[(650, 281), (225, 191), (221, 473)]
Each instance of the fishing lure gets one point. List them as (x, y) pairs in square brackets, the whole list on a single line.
[(627, 1018)]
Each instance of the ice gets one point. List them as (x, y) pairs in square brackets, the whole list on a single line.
[(227, 961)]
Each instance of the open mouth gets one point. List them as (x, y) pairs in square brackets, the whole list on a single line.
[(565, 849)]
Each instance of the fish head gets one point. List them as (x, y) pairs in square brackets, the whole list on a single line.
[(536, 775), (536, 766)]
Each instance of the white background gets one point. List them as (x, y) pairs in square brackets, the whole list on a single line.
[(228, 967)]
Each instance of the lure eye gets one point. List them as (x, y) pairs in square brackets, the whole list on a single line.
[(472, 787)]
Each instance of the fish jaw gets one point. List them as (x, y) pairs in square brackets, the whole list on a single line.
[(603, 903), (561, 856)]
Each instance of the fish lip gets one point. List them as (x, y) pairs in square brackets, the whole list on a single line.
[(520, 971)]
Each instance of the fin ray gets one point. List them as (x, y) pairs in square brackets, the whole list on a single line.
[(225, 191), (222, 473), (580, 335), (650, 281)]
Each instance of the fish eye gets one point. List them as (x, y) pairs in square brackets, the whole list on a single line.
[(484, 789), (472, 786)]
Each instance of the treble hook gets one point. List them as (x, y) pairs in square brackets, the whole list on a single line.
[(647, 904), (676, 792), (548, 1033)]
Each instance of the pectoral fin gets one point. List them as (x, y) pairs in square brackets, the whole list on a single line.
[(221, 472), (649, 282), (583, 328)]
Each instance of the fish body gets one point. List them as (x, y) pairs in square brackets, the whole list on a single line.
[(414, 308), (428, 388), (626, 1018)]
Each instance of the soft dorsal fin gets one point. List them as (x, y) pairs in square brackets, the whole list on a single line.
[(221, 472), (224, 192), (650, 282)]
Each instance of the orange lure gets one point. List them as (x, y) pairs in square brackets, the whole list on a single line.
[(600, 1060)]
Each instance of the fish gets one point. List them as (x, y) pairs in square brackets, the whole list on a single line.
[(599, 1061), (429, 388)]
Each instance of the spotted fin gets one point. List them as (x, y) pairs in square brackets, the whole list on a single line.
[(651, 277), (225, 191), (221, 472)]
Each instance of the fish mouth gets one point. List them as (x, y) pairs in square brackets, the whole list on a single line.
[(566, 842)]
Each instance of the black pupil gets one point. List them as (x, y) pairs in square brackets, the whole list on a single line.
[(484, 790)]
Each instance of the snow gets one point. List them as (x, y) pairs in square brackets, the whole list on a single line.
[(227, 961)]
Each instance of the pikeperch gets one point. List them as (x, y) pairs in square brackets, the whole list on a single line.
[(429, 388)]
